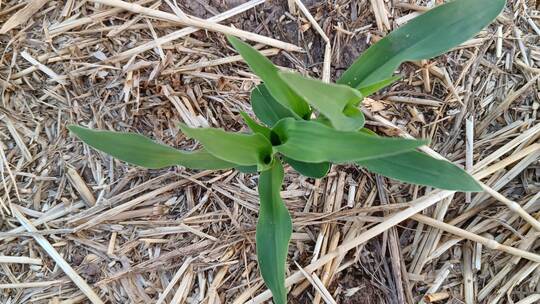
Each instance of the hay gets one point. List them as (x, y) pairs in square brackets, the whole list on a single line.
[(80, 227)]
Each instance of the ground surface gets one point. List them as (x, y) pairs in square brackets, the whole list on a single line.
[(133, 234)]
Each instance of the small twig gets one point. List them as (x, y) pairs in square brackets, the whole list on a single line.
[(469, 148), (515, 207), (20, 260), (31, 284), (199, 23), (468, 275), (81, 187), (522, 47), (43, 68), (328, 47), (413, 100), (42, 241), (174, 280), (183, 32), (23, 15), (491, 244), (499, 42)]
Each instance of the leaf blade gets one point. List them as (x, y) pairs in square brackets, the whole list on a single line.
[(313, 142), (274, 230), (424, 37), (140, 150), (372, 88), (336, 102), (266, 108), (241, 149), (255, 127), (268, 72), (313, 170), (418, 168)]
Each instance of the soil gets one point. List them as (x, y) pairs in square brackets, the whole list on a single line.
[(263, 21)]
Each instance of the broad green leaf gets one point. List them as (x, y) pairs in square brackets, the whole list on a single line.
[(268, 72), (255, 127), (307, 169), (314, 142), (266, 108), (336, 102), (247, 169), (368, 131), (313, 170), (424, 37), (418, 168), (370, 89), (241, 149), (142, 151), (274, 230), (324, 120)]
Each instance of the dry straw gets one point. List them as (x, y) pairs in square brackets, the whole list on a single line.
[(176, 235)]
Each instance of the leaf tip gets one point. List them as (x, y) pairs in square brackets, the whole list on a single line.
[(182, 126), (234, 41), (76, 129)]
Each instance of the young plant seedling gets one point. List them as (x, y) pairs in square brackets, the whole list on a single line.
[(285, 104)]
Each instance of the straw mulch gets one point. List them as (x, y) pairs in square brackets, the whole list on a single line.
[(78, 226)]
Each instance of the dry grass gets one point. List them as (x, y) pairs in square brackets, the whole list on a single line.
[(78, 226)]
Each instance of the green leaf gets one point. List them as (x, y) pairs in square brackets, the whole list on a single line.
[(418, 168), (307, 169), (142, 151), (268, 72), (368, 131), (370, 89), (247, 169), (324, 120), (255, 127), (241, 149), (274, 230), (266, 108), (424, 37), (336, 102), (313, 170), (314, 142)]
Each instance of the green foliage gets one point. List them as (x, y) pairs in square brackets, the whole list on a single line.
[(292, 133), (255, 127), (372, 88), (241, 149), (313, 142), (424, 37), (418, 168), (274, 230), (268, 72), (313, 170), (142, 151), (336, 102), (266, 108)]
